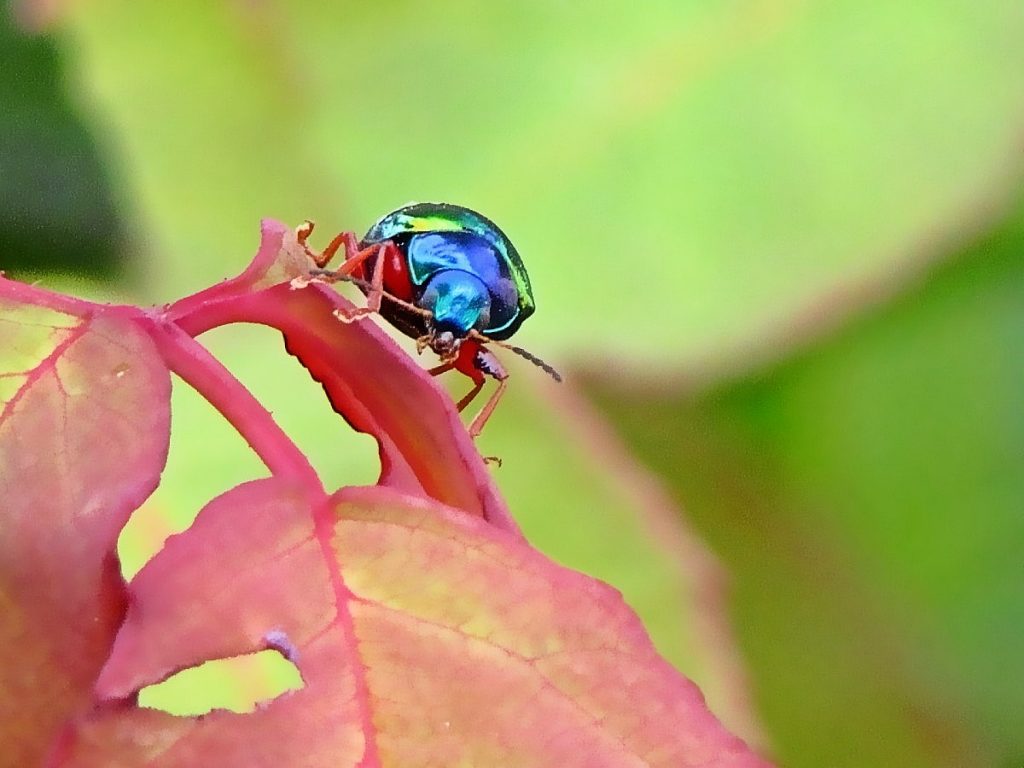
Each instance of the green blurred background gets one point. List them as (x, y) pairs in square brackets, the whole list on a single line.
[(778, 250)]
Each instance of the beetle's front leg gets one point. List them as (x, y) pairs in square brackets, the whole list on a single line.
[(476, 426), (481, 363)]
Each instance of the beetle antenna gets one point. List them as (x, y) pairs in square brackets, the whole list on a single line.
[(548, 369)]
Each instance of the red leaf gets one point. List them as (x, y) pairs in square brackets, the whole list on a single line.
[(84, 410), (424, 636), (427, 633)]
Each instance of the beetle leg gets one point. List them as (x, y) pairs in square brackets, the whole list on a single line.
[(481, 363), (465, 362), (477, 425), (376, 289), (302, 233), (478, 384), (437, 370), (346, 239), (377, 279), (354, 259)]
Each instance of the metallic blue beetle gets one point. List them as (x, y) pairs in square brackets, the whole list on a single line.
[(449, 278)]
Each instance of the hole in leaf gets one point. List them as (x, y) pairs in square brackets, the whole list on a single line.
[(238, 684)]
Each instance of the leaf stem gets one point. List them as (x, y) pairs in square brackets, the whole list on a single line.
[(204, 373)]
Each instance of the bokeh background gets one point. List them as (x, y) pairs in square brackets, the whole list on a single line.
[(778, 250)]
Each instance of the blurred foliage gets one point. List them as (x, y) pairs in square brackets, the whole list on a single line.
[(56, 205), (866, 493), (684, 183), (734, 159)]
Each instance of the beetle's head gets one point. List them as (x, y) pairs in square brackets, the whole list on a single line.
[(458, 303), (445, 343)]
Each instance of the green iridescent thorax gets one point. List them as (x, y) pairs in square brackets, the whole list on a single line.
[(444, 217)]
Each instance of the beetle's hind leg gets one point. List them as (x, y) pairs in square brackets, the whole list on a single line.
[(323, 258), (352, 271), (355, 257)]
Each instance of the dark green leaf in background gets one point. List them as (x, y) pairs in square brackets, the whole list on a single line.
[(56, 203)]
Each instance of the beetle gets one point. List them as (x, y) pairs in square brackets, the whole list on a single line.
[(446, 276)]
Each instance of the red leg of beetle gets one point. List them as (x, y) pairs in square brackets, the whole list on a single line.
[(347, 239), (352, 268), (376, 290), (437, 370), (376, 293), (471, 395), (465, 363), (354, 257), (477, 425), (475, 362)]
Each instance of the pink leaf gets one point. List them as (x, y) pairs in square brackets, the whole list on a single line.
[(426, 630), (84, 409), (424, 637)]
